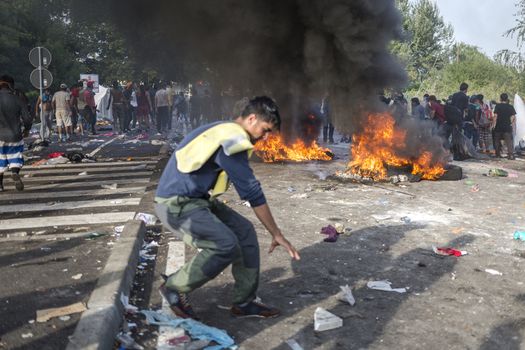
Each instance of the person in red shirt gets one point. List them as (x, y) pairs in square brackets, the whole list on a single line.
[(90, 110), (437, 113)]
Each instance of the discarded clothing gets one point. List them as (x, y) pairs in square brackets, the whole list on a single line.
[(331, 232), (196, 329)]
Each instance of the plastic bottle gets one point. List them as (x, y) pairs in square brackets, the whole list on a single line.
[(519, 235)]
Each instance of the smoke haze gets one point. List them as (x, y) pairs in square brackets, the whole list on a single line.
[(293, 50)]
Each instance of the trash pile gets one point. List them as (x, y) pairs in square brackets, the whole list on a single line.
[(177, 333)]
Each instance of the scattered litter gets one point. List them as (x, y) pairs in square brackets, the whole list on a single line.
[(149, 219), (448, 251), (128, 342), (291, 189), (118, 229), (57, 160), (46, 249), (331, 232), (513, 175), (47, 314), (246, 204), (124, 299), (346, 295), (324, 320), (180, 340), (27, 335), (55, 155), (380, 217), (498, 172), (94, 235), (196, 329), (64, 318), (519, 235), (406, 219), (77, 276), (475, 188), (117, 201), (299, 196), (83, 173), (384, 285), (158, 142), (109, 187), (294, 345), (469, 182), (493, 272), (152, 244)]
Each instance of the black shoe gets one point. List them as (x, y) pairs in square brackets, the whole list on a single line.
[(19, 185), (254, 309), (178, 302)]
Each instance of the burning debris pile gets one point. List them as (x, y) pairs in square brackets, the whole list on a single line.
[(382, 145), (274, 149)]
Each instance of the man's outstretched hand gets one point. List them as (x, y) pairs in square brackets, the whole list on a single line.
[(279, 240)]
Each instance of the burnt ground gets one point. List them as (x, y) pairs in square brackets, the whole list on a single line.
[(451, 302)]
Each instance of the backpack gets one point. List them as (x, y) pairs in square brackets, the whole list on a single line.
[(484, 120), (453, 115)]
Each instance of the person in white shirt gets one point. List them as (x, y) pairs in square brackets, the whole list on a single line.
[(62, 112), (162, 108)]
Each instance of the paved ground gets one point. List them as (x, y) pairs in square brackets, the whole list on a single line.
[(56, 235), (451, 302)]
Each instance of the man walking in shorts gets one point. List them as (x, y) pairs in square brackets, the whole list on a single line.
[(62, 111)]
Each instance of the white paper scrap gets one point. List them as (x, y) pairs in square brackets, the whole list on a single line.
[(493, 272), (347, 294), (324, 320), (384, 285)]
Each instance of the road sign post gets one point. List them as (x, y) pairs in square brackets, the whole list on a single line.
[(41, 78)]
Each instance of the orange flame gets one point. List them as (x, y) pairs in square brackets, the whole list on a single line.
[(273, 149), (377, 146)]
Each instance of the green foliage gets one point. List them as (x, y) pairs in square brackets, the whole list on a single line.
[(76, 46), (427, 39), (437, 66)]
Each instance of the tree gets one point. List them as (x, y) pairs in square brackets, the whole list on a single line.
[(428, 39)]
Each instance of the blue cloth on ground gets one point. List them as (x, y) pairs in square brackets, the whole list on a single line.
[(196, 329)]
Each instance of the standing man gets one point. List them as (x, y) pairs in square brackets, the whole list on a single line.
[(162, 108), (418, 111), (186, 198), (171, 95), (325, 115), (46, 124), (90, 108), (62, 111), (119, 108), (460, 99), (505, 115), (13, 113)]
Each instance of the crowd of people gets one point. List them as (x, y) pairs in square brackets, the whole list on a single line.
[(487, 125)]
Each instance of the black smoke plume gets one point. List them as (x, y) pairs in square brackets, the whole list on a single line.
[(292, 50)]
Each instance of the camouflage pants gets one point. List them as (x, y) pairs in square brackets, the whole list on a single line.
[(224, 236)]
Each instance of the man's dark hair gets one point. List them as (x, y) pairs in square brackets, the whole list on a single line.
[(504, 97), (432, 98), (265, 109), (415, 100), (463, 87), (115, 84), (426, 95)]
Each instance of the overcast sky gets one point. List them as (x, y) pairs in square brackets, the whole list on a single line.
[(481, 22)]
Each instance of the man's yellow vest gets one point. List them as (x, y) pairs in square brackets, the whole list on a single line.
[(230, 136)]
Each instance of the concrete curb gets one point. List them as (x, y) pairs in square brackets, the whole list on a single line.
[(99, 324)]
